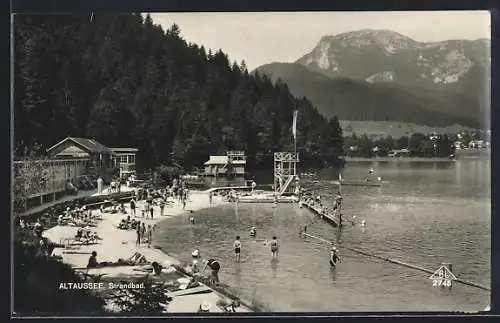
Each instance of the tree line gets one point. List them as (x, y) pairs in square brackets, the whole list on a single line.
[(126, 82)]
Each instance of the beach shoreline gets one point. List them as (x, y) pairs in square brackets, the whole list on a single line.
[(117, 244)]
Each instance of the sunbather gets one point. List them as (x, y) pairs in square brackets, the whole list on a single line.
[(136, 259), (229, 305), (123, 225)]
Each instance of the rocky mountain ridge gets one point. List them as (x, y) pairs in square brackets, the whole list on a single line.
[(381, 56)]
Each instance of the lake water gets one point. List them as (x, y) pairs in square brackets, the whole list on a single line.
[(426, 213)]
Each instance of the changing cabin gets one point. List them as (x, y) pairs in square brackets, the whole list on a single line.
[(231, 165)]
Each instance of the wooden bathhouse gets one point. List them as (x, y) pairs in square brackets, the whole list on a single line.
[(99, 157), (231, 165)]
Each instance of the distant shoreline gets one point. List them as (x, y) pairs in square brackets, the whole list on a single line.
[(399, 159)]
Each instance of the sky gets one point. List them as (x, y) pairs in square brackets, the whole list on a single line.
[(265, 37)]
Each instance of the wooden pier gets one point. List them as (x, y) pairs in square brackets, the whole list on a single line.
[(229, 188), (331, 219), (250, 199)]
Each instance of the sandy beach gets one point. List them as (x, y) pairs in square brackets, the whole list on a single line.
[(117, 243)]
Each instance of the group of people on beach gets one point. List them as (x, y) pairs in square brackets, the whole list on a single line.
[(79, 216), (144, 234)]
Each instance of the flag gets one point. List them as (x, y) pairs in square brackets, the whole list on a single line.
[(294, 125)]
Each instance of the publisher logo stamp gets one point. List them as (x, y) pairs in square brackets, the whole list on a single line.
[(442, 277)]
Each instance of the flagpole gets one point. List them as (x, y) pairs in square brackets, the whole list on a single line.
[(295, 145), (340, 182), (295, 112)]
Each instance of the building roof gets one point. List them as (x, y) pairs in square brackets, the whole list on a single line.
[(217, 160), (223, 160), (90, 145), (124, 150), (73, 151)]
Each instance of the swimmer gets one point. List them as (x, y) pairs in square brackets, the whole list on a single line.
[(363, 223), (253, 232), (274, 247), (237, 249)]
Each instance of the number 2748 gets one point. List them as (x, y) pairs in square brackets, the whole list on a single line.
[(439, 282)]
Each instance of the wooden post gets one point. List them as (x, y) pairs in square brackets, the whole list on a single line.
[(448, 265)]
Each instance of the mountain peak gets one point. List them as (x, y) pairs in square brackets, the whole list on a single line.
[(381, 55), (372, 33)]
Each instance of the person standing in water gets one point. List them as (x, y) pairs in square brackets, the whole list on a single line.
[(274, 247), (303, 231), (338, 201), (215, 267), (253, 232), (237, 249), (334, 257), (196, 256)]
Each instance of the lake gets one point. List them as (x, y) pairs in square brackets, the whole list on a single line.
[(426, 213)]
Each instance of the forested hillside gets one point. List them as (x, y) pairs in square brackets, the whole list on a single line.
[(351, 99), (128, 83)]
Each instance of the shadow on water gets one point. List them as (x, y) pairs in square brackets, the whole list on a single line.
[(274, 267), (333, 275)]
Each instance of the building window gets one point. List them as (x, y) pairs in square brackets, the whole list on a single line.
[(131, 159), (123, 159)]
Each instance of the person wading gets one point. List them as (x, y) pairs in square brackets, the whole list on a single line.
[(215, 268), (253, 232), (274, 247), (334, 257), (237, 249)]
